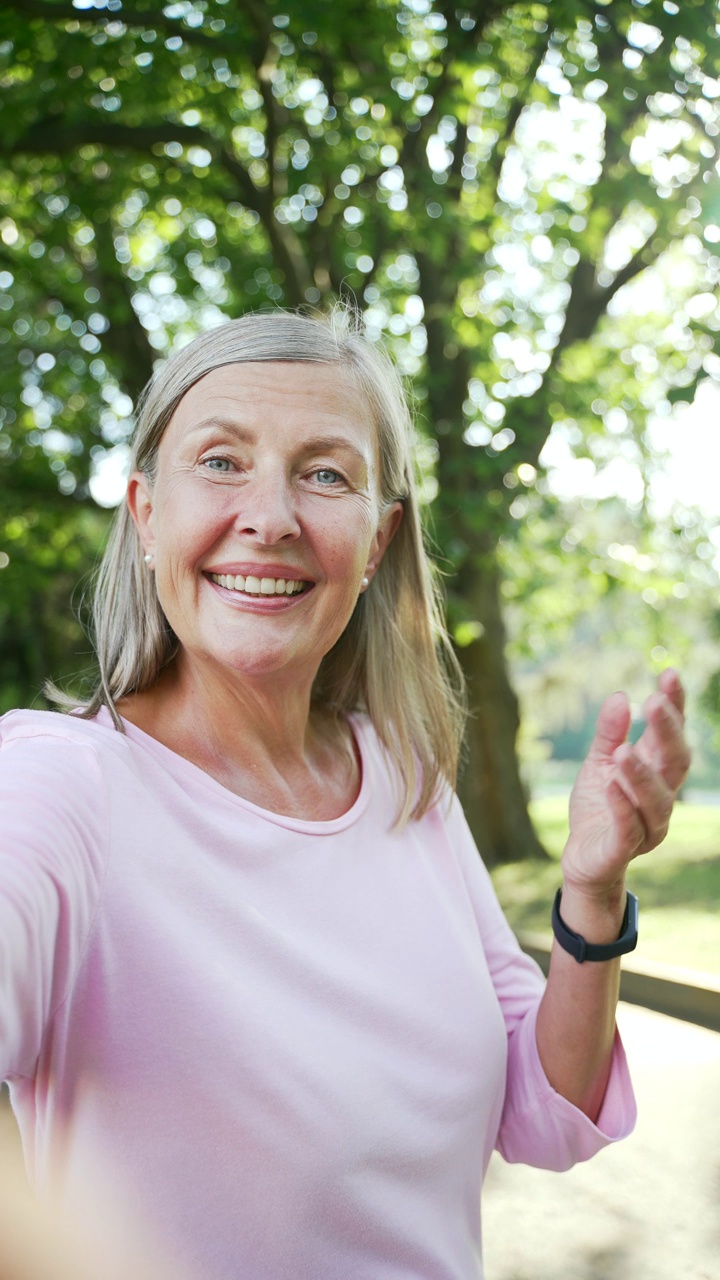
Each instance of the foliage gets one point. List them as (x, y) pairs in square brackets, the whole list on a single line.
[(489, 184), (49, 551), (598, 598)]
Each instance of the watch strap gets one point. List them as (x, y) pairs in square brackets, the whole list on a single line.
[(576, 945)]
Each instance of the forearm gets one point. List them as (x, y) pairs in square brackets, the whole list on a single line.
[(576, 1020)]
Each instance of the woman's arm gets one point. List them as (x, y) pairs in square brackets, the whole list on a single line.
[(620, 807), (53, 853)]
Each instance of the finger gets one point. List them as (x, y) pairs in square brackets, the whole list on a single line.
[(662, 745), (646, 789), (671, 685), (630, 833), (613, 724)]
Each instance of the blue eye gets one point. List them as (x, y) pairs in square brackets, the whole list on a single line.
[(326, 476), (217, 464)]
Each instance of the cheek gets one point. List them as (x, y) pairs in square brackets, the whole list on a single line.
[(348, 538), (189, 519)]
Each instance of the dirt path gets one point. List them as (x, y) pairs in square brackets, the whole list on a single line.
[(647, 1209)]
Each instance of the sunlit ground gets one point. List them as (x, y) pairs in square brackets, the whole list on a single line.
[(678, 886), (646, 1208)]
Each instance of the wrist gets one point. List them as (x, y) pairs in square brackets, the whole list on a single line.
[(582, 949), (594, 913)]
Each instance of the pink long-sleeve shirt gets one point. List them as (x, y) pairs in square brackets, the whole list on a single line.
[(297, 1043)]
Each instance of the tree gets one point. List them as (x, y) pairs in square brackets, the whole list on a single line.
[(486, 182)]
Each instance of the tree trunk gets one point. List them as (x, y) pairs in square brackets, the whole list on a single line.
[(491, 789)]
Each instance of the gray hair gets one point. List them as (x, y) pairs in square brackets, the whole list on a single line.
[(394, 660)]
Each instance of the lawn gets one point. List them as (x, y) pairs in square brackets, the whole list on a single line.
[(678, 886)]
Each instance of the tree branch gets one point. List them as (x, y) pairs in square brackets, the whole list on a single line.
[(285, 244), (53, 135), (126, 338), (57, 137), (589, 301)]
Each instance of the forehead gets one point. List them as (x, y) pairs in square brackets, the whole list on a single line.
[(291, 394)]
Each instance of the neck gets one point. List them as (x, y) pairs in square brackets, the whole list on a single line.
[(240, 716), (260, 739)]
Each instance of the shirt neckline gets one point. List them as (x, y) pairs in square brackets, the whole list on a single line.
[(178, 765)]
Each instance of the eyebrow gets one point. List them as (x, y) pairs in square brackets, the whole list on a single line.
[(316, 444)]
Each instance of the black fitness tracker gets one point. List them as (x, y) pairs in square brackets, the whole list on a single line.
[(582, 950)]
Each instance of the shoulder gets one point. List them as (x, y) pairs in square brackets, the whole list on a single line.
[(365, 734), (381, 774), (382, 767), (54, 726), (24, 724), (46, 749), (54, 801)]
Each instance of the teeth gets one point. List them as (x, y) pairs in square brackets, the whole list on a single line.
[(258, 586)]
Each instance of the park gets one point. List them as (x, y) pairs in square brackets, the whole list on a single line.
[(522, 203)]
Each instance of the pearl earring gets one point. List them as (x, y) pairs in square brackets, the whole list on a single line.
[(366, 582), (148, 559)]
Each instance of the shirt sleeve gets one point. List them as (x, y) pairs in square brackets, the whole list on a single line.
[(52, 839), (538, 1126)]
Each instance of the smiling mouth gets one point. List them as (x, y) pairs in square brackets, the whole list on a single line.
[(252, 586)]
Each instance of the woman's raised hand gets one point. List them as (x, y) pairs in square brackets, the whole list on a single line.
[(624, 794)]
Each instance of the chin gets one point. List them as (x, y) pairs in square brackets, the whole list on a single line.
[(254, 666)]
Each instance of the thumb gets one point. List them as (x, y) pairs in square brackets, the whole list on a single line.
[(613, 725)]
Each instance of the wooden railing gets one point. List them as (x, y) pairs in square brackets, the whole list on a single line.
[(680, 993)]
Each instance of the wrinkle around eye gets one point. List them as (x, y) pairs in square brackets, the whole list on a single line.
[(341, 488), (230, 471)]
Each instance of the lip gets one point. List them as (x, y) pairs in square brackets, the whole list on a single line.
[(260, 571)]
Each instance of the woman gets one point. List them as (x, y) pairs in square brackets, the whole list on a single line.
[(251, 958)]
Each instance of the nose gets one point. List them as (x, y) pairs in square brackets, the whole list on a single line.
[(267, 511)]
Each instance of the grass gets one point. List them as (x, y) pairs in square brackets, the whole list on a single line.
[(678, 886)]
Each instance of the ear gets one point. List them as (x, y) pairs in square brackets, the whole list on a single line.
[(140, 506), (386, 531)]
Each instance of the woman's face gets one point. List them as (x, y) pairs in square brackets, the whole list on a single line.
[(264, 516)]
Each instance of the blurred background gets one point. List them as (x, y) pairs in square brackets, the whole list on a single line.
[(523, 201)]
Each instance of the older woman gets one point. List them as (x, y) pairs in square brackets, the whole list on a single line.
[(249, 957)]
